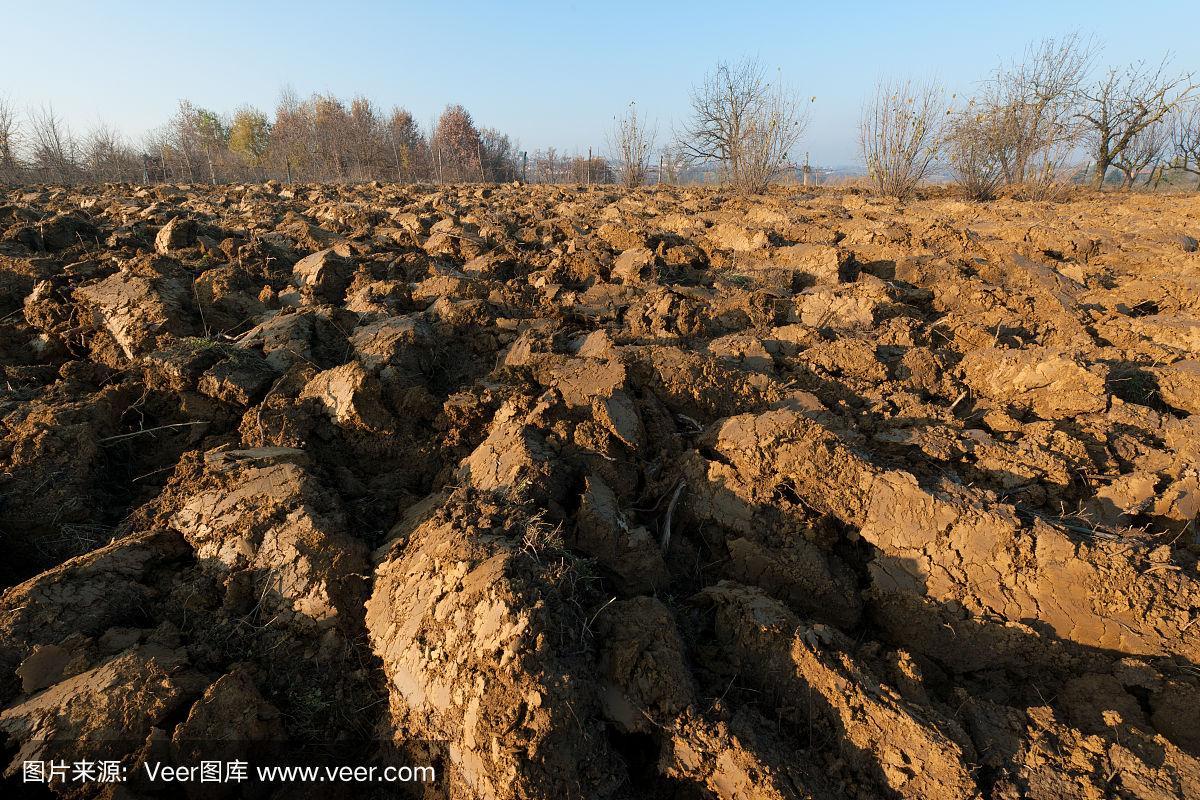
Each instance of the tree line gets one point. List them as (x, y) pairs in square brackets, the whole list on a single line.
[(320, 138), (1040, 122)]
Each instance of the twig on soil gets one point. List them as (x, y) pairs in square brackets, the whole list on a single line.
[(718, 700), (200, 307), (123, 436), (1094, 530), (666, 537), (227, 335), (587, 626), (369, 705), (153, 472)]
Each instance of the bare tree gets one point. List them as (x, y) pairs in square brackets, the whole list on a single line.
[(213, 137), (596, 170), (366, 145), (1123, 104), (499, 155), (1185, 138), (410, 150), (54, 150), (10, 142), (330, 134), (1144, 149), (674, 163), (744, 123), (630, 142), (457, 147), (899, 134), (292, 145), (547, 166), (1030, 107), (185, 140), (973, 147), (325, 138), (105, 157)]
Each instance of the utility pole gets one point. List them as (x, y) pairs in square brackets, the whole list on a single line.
[(589, 183), (524, 166)]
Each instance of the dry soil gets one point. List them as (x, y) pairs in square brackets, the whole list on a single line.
[(613, 493)]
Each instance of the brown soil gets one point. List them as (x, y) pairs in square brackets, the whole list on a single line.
[(614, 494)]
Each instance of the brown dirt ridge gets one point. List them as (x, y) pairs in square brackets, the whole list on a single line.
[(615, 493)]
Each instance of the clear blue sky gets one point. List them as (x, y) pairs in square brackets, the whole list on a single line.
[(546, 73)]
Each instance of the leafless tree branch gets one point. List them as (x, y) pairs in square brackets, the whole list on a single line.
[(744, 123), (899, 134)]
